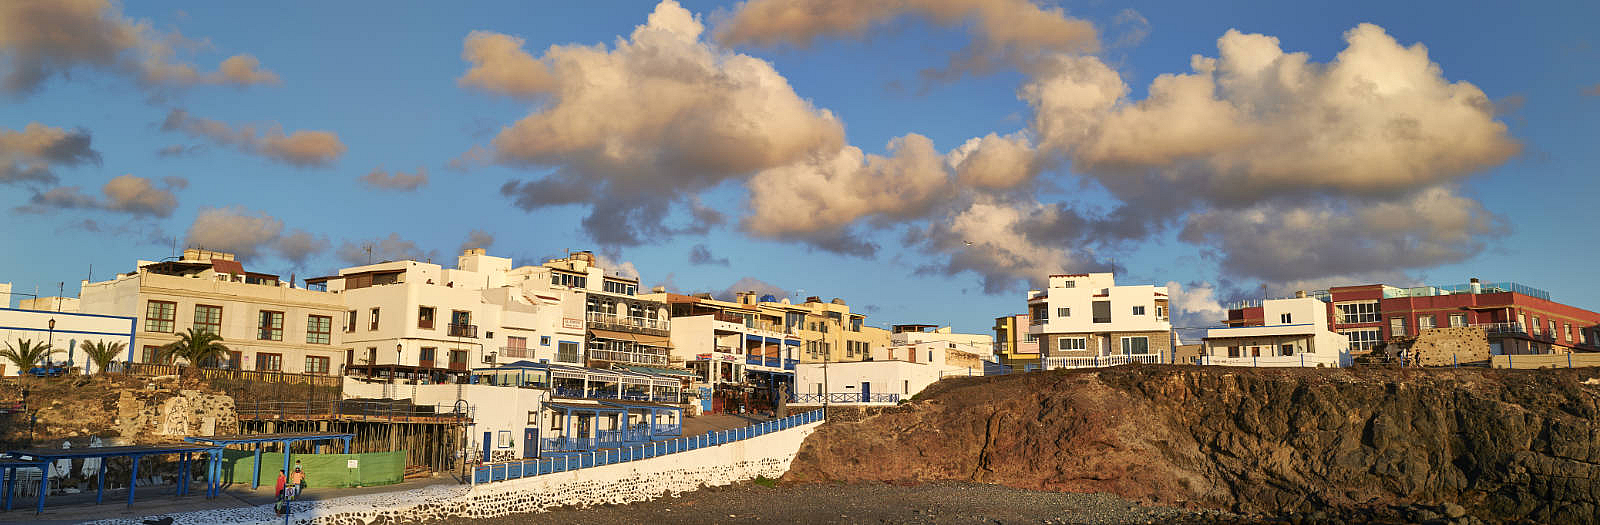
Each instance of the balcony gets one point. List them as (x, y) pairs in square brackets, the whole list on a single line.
[(464, 330), (859, 398), (628, 323), (513, 351), (1502, 328), (638, 358), (1051, 363)]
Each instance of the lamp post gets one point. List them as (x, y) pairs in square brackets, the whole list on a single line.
[(49, 346)]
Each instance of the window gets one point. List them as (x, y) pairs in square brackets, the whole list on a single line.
[(1286, 350), (905, 387), (503, 439), (516, 346), (855, 325), (1233, 351), (1161, 312), (425, 355), (1553, 333), (544, 340), (1522, 322), (1135, 345), (1425, 322), (1038, 313), (1569, 332), (1458, 320), (1063, 312), (1068, 344), (1397, 326), (316, 365), (372, 355), (373, 323), (1138, 310), (567, 352), (1101, 311), (319, 329), (160, 316), (425, 317), (350, 321), (458, 359), (269, 362), (1364, 312), (1069, 284), (234, 357), (150, 355), (1363, 339), (208, 318), (1286, 318), (567, 279), (269, 327), (618, 287)]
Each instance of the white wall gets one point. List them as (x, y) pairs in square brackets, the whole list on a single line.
[(71, 330), (885, 377), (1081, 297)]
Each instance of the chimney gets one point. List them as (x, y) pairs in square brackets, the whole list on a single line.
[(659, 289), (1475, 286), (1299, 294)]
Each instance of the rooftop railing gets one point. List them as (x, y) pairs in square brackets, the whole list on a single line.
[(627, 322), (1052, 363)]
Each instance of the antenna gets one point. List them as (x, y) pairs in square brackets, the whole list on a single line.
[(368, 248)]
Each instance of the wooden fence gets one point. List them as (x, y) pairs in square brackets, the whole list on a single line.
[(149, 369)]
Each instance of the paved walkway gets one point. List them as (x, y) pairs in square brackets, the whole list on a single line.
[(155, 501)]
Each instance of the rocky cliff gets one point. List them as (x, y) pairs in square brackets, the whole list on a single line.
[(1503, 444)]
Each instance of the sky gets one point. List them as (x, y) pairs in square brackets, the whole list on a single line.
[(927, 161)]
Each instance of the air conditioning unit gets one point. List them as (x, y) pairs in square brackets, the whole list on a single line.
[(488, 359)]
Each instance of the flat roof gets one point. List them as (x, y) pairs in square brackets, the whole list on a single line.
[(126, 450), (288, 436)]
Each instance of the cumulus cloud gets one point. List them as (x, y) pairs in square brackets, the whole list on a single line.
[(659, 116), (1194, 305), (299, 246), (477, 239), (613, 265), (398, 181), (391, 248), (750, 284), (1005, 31), (29, 155), (303, 149), (1007, 243), (1258, 122), (234, 229), (1281, 242), (133, 195), (816, 201), (995, 162), (700, 255), (43, 39)]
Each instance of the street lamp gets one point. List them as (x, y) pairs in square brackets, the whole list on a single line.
[(49, 346)]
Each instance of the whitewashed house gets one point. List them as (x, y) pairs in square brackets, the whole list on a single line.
[(1294, 332), (1087, 320)]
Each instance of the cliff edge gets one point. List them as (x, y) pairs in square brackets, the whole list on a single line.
[(1503, 444)]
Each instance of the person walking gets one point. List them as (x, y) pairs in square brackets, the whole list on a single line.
[(282, 480), (298, 481), (279, 506)]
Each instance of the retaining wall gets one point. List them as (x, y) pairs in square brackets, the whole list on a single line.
[(769, 455)]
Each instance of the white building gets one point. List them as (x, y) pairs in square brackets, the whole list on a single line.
[(1086, 319), (65, 332), (267, 324), (1295, 334), (981, 345), (885, 382)]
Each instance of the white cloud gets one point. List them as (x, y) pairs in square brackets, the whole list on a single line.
[(300, 149), (133, 195), (30, 154), (42, 39), (234, 229), (397, 181)]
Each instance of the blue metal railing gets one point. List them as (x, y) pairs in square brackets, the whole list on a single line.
[(593, 458)]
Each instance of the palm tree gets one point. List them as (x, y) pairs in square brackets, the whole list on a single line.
[(26, 355), (198, 347), (102, 353)]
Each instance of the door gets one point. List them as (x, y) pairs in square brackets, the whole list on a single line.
[(530, 442), (488, 441), (866, 392), (1105, 346)]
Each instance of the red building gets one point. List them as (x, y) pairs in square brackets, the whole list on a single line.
[(1518, 319)]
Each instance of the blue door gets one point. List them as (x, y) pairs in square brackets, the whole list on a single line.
[(530, 442), (488, 440), (866, 392)]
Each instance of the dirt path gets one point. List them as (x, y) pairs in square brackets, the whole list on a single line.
[(863, 503)]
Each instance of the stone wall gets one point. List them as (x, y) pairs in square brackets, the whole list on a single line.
[(1450, 346), (769, 455), (142, 414)]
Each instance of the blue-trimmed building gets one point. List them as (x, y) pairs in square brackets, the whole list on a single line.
[(65, 332)]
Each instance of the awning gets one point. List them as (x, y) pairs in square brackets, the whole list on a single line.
[(657, 371), (650, 340)]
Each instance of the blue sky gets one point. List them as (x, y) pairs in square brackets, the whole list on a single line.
[(384, 78)]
